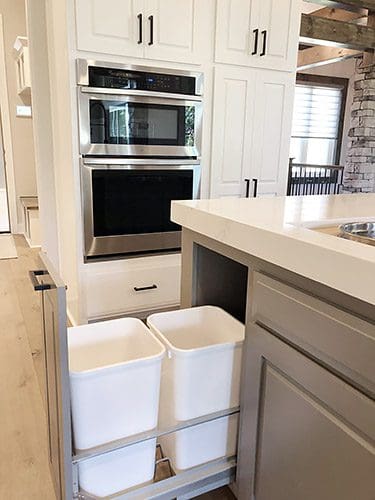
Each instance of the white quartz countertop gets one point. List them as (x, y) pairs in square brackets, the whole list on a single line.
[(278, 230)]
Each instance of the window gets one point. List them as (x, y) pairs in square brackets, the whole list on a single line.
[(317, 120)]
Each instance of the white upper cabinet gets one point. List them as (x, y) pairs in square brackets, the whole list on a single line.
[(171, 32), (110, 26), (258, 33), (250, 132), (166, 30)]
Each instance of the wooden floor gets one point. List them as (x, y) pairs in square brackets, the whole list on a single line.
[(24, 470)]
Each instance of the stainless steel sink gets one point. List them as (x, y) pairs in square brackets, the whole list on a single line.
[(364, 232)]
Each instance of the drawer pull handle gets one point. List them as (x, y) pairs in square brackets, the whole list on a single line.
[(142, 288)]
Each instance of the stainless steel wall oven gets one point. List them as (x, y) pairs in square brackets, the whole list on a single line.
[(140, 145), (126, 207)]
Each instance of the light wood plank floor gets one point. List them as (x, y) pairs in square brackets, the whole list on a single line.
[(24, 471)]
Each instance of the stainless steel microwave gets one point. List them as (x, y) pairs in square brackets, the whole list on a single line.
[(132, 111), (126, 205)]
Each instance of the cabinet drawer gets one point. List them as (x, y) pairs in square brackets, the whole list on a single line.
[(134, 285), (336, 337)]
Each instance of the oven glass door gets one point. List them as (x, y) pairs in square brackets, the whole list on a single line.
[(129, 125), (136, 202), (128, 210)]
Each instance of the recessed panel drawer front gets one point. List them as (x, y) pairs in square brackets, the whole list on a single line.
[(130, 286), (338, 338)]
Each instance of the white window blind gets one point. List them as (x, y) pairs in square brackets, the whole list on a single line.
[(316, 123), (316, 112)]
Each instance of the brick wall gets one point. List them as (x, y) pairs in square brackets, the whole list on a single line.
[(359, 173)]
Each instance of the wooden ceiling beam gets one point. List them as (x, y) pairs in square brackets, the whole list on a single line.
[(320, 31), (346, 4), (369, 56), (319, 56), (340, 14)]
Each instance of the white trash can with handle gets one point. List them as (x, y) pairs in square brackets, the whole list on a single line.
[(115, 369), (200, 375)]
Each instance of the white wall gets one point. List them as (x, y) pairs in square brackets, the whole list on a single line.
[(14, 23), (342, 69), (42, 121)]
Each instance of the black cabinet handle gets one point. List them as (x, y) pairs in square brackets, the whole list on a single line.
[(264, 47), (256, 38), (142, 288), (247, 187), (255, 184), (39, 287), (140, 38), (151, 19)]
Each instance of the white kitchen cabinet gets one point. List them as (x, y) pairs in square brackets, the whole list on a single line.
[(130, 286), (251, 129), (152, 29), (258, 33), (232, 130), (272, 121), (110, 27)]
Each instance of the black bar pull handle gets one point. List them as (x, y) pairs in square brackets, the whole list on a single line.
[(140, 28), (247, 187), (151, 19), (142, 288), (264, 47), (256, 38), (255, 191), (39, 287)]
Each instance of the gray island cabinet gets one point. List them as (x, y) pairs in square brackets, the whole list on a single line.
[(307, 413)]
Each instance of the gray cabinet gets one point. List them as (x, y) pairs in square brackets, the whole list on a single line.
[(305, 432), (54, 321)]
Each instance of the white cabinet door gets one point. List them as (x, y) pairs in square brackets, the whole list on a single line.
[(110, 26), (279, 25), (232, 130), (235, 39), (272, 121), (174, 30), (259, 33)]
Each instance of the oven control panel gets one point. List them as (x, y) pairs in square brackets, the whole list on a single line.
[(141, 80)]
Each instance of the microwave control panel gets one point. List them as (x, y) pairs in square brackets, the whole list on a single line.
[(141, 80)]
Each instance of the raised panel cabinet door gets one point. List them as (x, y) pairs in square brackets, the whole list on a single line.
[(304, 433), (272, 121), (236, 35), (231, 131), (279, 25), (177, 31), (111, 26), (258, 33)]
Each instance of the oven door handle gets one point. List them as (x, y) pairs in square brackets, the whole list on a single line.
[(140, 93)]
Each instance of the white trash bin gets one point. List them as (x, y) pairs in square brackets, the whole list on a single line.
[(115, 380), (202, 443), (200, 375), (116, 471)]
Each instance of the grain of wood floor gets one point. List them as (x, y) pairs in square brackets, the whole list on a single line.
[(24, 471)]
